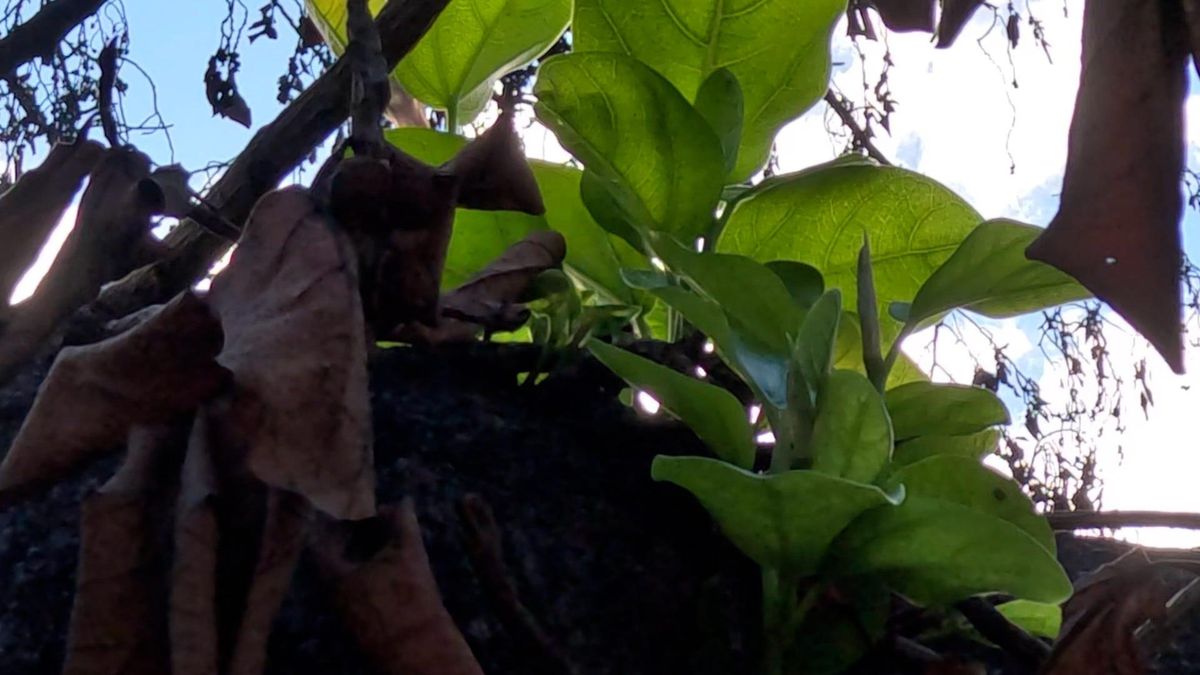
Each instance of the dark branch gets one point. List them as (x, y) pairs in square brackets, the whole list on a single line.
[(39, 36), (1096, 520), (994, 626), (861, 137), (369, 91), (108, 79), (274, 151)]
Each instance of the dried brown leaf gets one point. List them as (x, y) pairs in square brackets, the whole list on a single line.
[(1100, 619), (955, 15), (494, 174), (193, 609), (117, 625), (389, 598), (1117, 228), (95, 393), (172, 180), (907, 15), (283, 538), (295, 341), (31, 208)]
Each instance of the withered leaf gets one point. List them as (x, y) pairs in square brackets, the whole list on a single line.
[(95, 393), (493, 173), (111, 237), (295, 341), (117, 625), (283, 538), (192, 617), (1100, 619), (172, 180), (907, 15), (955, 15), (1117, 228), (390, 600), (31, 208)]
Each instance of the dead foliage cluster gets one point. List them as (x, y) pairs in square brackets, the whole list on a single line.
[(244, 414)]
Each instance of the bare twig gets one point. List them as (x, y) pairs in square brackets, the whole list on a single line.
[(1095, 520), (482, 540), (273, 152), (861, 137), (40, 35)]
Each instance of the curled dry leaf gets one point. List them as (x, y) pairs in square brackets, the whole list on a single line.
[(192, 616), (172, 180), (116, 622), (283, 538), (111, 237), (906, 15), (489, 300), (295, 341), (388, 598), (1117, 228), (31, 208), (955, 15), (400, 214), (1101, 618), (95, 393)]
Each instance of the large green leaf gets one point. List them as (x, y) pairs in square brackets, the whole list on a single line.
[(964, 481), (783, 521), (925, 408), (1039, 618), (804, 282), (474, 42), (720, 102), (660, 159), (777, 49), (974, 446), (937, 552), (848, 354), (713, 413), (819, 217), (479, 236), (990, 274), (852, 437)]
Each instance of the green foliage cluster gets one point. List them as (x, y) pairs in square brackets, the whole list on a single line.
[(874, 483)]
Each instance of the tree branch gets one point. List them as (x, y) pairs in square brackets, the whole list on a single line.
[(40, 35), (1095, 520), (996, 627), (274, 151), (861, 137)]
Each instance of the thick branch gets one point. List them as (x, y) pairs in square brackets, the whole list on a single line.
[(40, 35), (994, 626), (274, 151), (1094, 520), (861, 137)]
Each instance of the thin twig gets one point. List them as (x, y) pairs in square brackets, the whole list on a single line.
[(369, 91), (1097, 520), (861, 137)]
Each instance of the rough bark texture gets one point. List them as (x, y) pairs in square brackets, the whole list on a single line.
[(626, 576)]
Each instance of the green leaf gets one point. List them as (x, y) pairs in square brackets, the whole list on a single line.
[(1039, 618), (783, 521), (840, 629), (701, 312), (848, 354), (660, 159), (748, 292), (924, 408), (777, 49), (964, 481), (937, 553), (974, 446), (818, 217), (719, 102), (804, 282), (713, 413), (815, 343), (600, 200), (989, 274), (593, 256), (852, 437), (474, 42)]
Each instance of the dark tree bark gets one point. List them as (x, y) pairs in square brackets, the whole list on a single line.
[(40, 35)]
